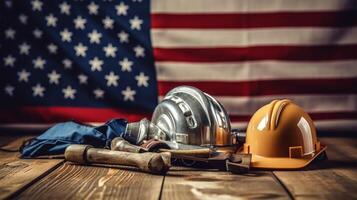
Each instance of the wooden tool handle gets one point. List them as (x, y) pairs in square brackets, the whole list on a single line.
[(205, 152), (119, 144), (156, 163)]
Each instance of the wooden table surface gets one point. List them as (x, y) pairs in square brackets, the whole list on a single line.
[(57, 179)]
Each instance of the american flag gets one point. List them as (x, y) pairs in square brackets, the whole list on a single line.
[(95, 60)]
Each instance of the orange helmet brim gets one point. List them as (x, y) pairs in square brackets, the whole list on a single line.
[(282, 163)]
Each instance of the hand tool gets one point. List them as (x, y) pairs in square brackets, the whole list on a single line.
[(156, 163), (224, 160), (120, 144)]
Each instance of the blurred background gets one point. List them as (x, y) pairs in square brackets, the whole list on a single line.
[(91, 61)]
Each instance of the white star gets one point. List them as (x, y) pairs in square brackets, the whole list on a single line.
[(128, 94), (94, 37), (52, 48), (51, 20), (125, 65), (135, 23), (54, 77), (9, 89), (10, 33), (108, 23), (83, 79), (98, 93), (39, 63), (66, 35), (110, 50), (67, 63), (79, 22), (80, 50), (38, 90), (93, 8), (123, 37), (122, 9), (112, 79), (23, 19), (65, 8), (96, 64), (9, 60), (142, 80), (139, 51), (8, 4), (37, 33), (69, 92), (24, 48), (23, 75), (36, 5)]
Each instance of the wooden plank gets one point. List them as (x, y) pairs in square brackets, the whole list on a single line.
[(72, 181), (16, 173), (217, 185), (332, 179)]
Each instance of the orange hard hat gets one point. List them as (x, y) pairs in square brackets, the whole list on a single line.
[(281, 135)]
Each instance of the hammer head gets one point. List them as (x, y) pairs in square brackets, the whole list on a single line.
[(77, 153)]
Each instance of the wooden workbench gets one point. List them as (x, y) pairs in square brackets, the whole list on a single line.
[(57, 179)]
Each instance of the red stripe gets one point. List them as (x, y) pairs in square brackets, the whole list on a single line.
[(315, 116), (60, 114), (255, 20), (268, 87), (308, 53)]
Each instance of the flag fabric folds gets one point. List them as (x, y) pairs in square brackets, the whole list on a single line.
[(55, 140), (91, 61)]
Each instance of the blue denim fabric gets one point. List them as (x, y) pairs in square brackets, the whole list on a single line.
[(56, 139)]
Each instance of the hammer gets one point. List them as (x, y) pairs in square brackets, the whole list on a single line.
[(119, 144), (156, 163)]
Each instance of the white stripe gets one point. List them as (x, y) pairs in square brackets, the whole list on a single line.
[(321, 125), (218, 6), (259, 70), (310, 103), (185, 38)]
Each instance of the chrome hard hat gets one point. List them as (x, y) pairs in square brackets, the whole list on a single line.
[(189, 116)]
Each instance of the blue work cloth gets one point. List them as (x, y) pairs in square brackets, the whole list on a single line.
[(56, 139)]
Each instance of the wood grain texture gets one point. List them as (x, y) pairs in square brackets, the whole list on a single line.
[(335, 178), (72, 181), (16, 173), (183, 183)]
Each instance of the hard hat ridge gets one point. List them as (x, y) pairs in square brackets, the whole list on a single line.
[(275, 111)]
